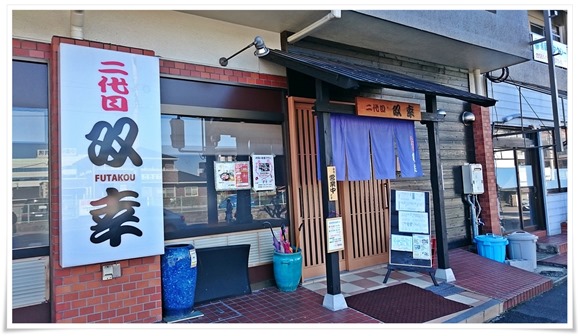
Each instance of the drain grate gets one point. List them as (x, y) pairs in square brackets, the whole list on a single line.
[(556, 274)]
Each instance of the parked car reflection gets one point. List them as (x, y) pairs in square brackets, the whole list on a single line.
[(173, 221), (34, 209)]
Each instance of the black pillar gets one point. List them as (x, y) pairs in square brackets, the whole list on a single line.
[(328, 207), (437, 185)]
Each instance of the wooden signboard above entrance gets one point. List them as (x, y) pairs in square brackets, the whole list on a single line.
[(387, 109)]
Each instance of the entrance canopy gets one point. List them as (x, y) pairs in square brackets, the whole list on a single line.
[(352, 76)]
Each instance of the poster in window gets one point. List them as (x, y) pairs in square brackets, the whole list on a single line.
[(263, 172), (232, 175)]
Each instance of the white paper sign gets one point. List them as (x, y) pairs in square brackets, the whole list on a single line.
[(401, 243), (335, 241), (417, 222), (263, 172), (421, 247), (110, 139), (193, 257), (410, 201)]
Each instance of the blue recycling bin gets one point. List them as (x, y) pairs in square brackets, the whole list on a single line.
[(492, 246), (178, 279), (287, 270)]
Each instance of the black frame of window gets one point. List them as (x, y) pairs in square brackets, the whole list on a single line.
[(32, 96), (236, 103)]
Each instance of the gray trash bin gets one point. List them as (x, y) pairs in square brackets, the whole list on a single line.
[(522, 246)]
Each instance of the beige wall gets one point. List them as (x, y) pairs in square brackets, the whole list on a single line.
[(172, 35)]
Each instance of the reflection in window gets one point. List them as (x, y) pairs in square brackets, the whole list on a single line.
[(194, 155), (30, 155), (29, 178)]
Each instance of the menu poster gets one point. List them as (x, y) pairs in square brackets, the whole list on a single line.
[(410, 201), (232, 175), (421, 247), (401, 243), (263, 172), (334, 236), (417, 222)]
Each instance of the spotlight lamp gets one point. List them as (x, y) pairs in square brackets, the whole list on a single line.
[(467, 118), (261, 50)]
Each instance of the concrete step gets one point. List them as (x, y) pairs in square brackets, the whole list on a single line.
[(556, 244)]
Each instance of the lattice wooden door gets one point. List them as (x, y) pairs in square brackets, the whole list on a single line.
[(362, 204)]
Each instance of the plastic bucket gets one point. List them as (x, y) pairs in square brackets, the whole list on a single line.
[(178, 279), (523, 246), (287, 270), (492, 246)]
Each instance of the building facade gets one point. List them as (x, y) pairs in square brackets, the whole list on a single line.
[(217, 119)]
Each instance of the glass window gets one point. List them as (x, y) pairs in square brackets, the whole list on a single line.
[(555, 164), (30, 155), (209, 199)]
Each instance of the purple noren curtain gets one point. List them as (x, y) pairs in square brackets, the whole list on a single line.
[(353, 137)]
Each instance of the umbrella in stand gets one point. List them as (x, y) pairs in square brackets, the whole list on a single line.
[(275, 241), (285, 243)]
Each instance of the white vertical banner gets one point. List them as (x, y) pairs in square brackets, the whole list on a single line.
[(263, 172), (110, 137)]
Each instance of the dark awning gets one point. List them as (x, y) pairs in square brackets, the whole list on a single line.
[(352, 76)]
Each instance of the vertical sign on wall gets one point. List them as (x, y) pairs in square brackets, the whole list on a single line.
[(332, 184), (110, 138)]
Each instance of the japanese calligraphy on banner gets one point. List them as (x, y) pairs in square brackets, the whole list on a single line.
[(232, 175), (110, 136), (387, 109), (263, 172), (332, 184)]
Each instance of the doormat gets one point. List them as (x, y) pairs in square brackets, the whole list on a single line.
[(404, 303)]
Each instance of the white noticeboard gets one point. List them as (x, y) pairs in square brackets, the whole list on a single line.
[(334, 236)]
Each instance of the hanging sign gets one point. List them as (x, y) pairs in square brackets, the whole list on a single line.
[(387, 109), (332, 184), (233, 175), (560, 52), (334, 236), (263, 172), (110, 133)]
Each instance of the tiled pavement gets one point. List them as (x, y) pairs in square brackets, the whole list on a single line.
[(488, 286)]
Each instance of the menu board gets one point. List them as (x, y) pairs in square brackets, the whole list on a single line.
[(410, 229)]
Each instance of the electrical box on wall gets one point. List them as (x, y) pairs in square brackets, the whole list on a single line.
[(472, 179)]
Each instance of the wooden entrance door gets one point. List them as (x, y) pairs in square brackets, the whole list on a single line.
[(362, 204)]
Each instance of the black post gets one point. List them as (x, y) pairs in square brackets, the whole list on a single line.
[(328, 207), (553, 85), (437, 185)]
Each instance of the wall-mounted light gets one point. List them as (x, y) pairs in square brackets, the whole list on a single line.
[(467, 118), (441, 113), (261, 50)]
